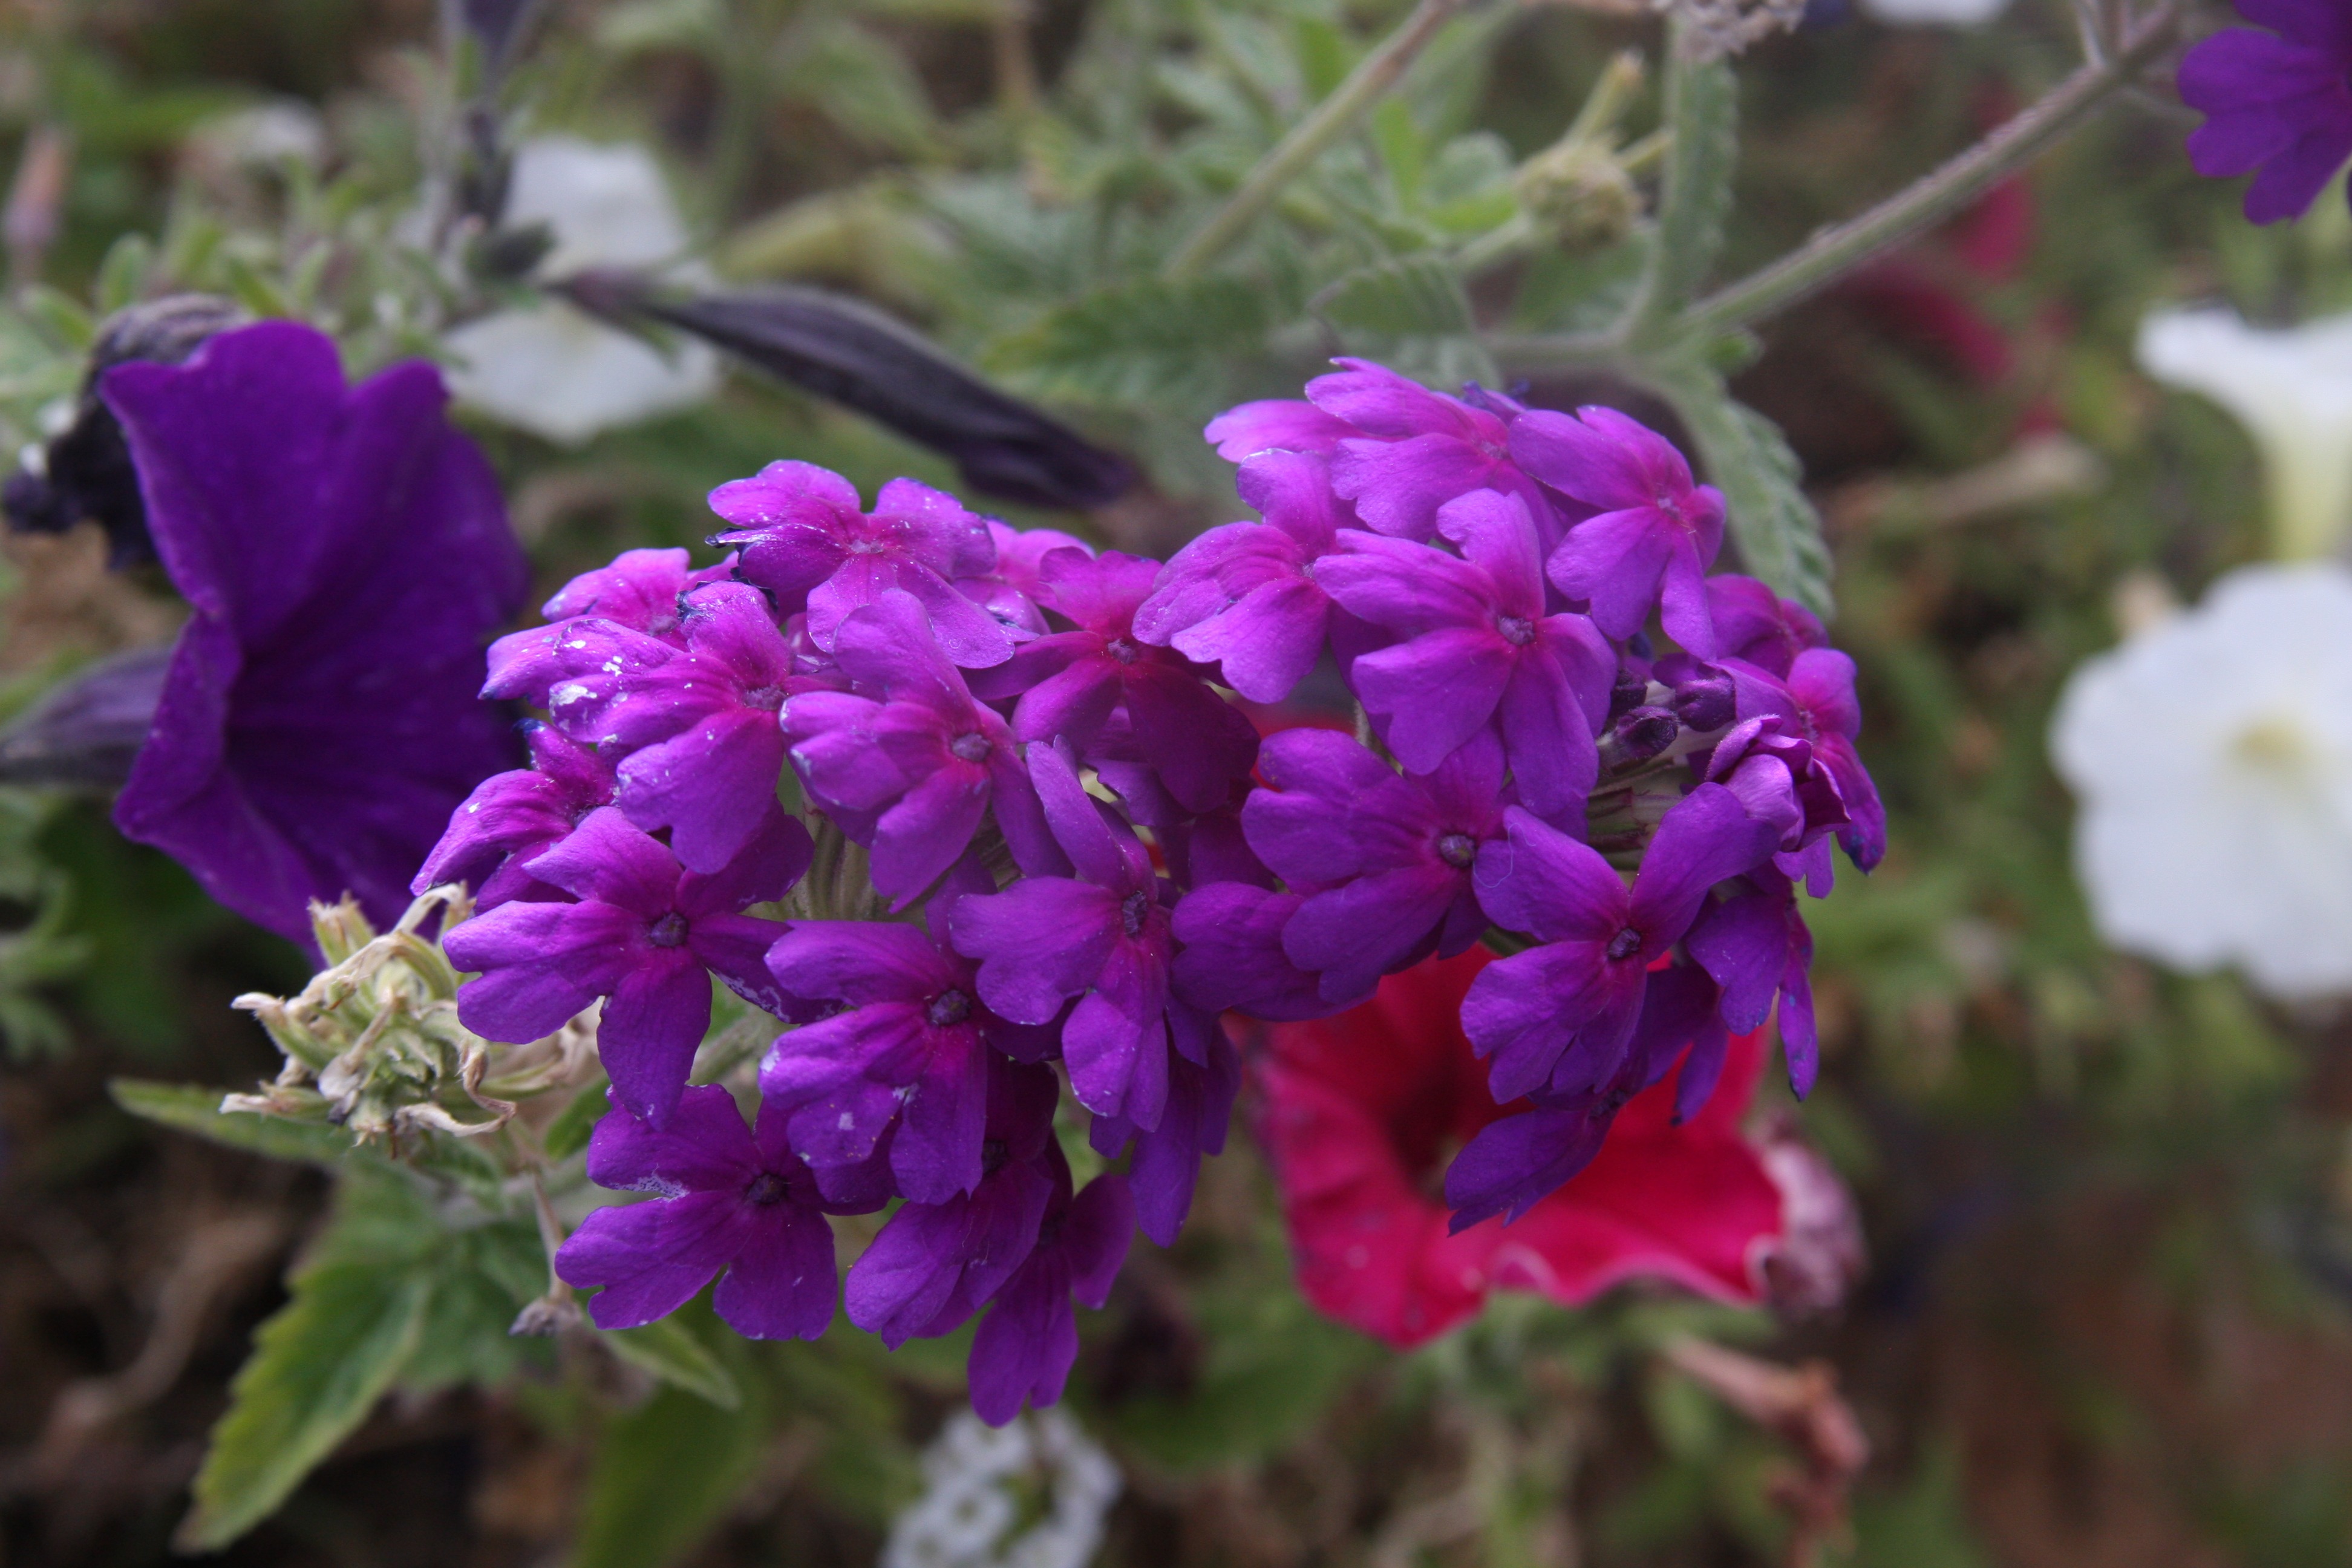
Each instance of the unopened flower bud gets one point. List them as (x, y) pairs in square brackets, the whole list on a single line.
[(1706, 701), (1581, 191), (1644, 732), (1629, 693)]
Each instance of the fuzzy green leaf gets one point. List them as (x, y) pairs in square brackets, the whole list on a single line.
[(318, 1368), (1703, 114), (670, 1350), (192, 1108), (664, 1475), (1145, 340), (1411, 313), (1772, 520)]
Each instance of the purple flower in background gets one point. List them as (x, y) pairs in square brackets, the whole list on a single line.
[(1102, 938), (1757, 947), (1026, 1347), (908, 762), (1397, 450), (1168, 1157), (1562, 1014), (730, 1198), (1477, 648), (642, 590), (1232, 956), (345, 554), (1071, 683), (2280, 102), (1244, 596), (497, 831), (1753, 623), (1653, 533), (641, 936), (908, 1058), (1384, 859), (1816, 701), (805, 539), (934, 1265)]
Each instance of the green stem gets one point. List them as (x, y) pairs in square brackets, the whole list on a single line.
[(1331, 119), (1834, 252)]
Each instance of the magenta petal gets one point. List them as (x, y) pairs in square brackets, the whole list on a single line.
[(705, 1145), (651, 1025), (1026, 1347), (1543, 882), (646, 1260), (782, 1284), (1284, 423), (539, 964)]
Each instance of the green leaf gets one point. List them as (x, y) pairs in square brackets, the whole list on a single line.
[(670, 1350), (1703, 115), (1412, 313), (318, 1365), (665, 1473), (1139, 342), (569, 1132), (1777, 529), (192, 1108)]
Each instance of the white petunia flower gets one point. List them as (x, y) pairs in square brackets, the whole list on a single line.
[(552, 369), (2212, 757), (1935, 13), (2291, 390), (966, 1516)]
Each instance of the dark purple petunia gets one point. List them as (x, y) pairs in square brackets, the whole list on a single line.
[(1753, 623), (1476, 649), (1816, 701), (1071, 684), (642, 590), (1397, 450), (2277, 102), (730, 1198), (1102, 938), (1757, 947), (934, 1265), (1384, 859), (495, 832), (1509, 1166), (1652, 534), (1168, 1157), (908, 1058), (344, 553), (641, 936), (806, 540), (907, 761), (1562, 1014), (1244, 597), (1024, 1350)]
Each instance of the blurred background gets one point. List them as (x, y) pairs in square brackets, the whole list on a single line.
[(2107, 1313)]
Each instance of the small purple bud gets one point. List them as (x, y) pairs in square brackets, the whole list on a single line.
[(1707, 701), (1644, 732), (1627, 693)]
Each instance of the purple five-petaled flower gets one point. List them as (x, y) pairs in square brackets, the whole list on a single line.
[(1816, 701), (729, 1197), (2278, 102), (497, 831), (1756, 946), (640, 934), (1025, 1349)]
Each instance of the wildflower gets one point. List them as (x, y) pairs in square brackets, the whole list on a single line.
[(729, 1197), (2216, 796), (551, 368), (2277, 105), (1385, 859), (1563, 1013), (497, 831), (1026, 1347), (1652, 534), (1232, 956), (907, 762), (1101, 938), (644, 590), (1071, 684), (640, 935), (1755, 624), (1817, 703), (2291, 390), (1476, 649), (805, 538), (1167, 1162), (1356, 1112), (319, 722), (978, 1482), (1244, 597), (1754, 945)]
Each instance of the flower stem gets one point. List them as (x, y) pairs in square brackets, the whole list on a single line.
[(1829, 254), (1332, 118)]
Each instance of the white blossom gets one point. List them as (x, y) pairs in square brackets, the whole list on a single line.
[(552, 368), (1935, 13), (966, 1515), (2291, 389), (2211, 754)]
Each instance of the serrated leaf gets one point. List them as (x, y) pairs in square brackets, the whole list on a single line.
[(483, 1275), (1148, 340), (1695, 200), (669, 1351), (318, 1368), (1778, 532), (1412, 313), (192, 1108)]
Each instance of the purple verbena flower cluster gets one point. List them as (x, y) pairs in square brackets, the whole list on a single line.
[(1083, 857)]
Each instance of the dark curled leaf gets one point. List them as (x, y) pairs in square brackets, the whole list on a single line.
[(87, 730), (862, 359)]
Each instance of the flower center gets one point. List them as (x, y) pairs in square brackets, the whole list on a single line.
[(768, 696), (948, 1008), (1122, 650), (1517, 630), (1132, 908), (2274, 745), (766, 1191), (972, 748), (1457, 850), (667, 931), (1625, 944)]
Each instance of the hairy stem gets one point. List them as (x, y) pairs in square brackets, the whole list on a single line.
[(1331, 119)]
